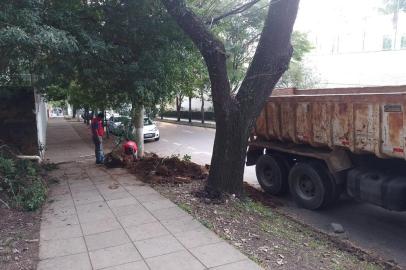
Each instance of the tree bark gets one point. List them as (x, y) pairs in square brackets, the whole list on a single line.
[(202, 106), (138, 132), (86, 116), (178, 107), (235, 115), (190, 109)]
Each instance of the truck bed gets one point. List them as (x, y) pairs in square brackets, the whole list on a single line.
[(362, 120)]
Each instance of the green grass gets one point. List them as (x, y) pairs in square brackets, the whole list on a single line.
[(185, 207)]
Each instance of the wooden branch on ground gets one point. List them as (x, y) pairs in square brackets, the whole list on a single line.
[(3, 202)]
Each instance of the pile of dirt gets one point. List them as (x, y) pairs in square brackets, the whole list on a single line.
[(156, 170)]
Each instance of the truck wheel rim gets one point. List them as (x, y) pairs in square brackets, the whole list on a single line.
[(306, 188), (268, 175)]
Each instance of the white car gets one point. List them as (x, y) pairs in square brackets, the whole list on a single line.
[(151, 131), (116, 125)]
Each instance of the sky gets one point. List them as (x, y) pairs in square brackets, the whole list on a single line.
[(331, 15), (348, 36)]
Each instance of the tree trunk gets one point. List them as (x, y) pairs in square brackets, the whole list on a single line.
[(138, 122), (86, 116), (73, 112), (190, 109), (235, 114), (178, 107), (202, 107), (228, 159)]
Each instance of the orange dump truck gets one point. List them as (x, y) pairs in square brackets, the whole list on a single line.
[(321, 143)]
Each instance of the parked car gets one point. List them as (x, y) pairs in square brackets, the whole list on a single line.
[(118, 126), (151, 131)]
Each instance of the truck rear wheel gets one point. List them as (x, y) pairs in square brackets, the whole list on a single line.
[(311, 185), (272, 174)]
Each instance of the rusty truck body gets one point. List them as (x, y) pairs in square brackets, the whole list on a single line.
[(320, 143)]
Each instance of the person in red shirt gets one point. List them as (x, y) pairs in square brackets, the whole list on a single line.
[(97, 136), (130, 149)]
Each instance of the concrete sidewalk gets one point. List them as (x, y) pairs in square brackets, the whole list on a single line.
[(107, 219), (64, 144)]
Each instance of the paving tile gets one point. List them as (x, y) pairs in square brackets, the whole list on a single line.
[(141, 217), (181, 260), (116, 195), (217, 254), (77, 189), (50, 212), (122, 202), (158, 204), (80, 183), (59, 189), (100, 226), (196, 238), (92, 207), (58, 248), (89, 199), (119, 190), (127, 179), (111, 186), (242, 265), (72, 262), (114, 256), (117, 171), (150, 197), (182, 225), (60, 221), (106, 239), (145, 231), (170, 213), (96, 172), (60, 233), (85, 217), (158, 246), (128, 209), (60, 203), (73, 170), (85, 194), (138, 190), (140, 265)]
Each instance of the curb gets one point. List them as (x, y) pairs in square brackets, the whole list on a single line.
[(213, 126)]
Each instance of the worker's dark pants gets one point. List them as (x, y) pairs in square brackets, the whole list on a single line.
[(98, 149)]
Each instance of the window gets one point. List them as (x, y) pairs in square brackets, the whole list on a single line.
[(403, 42), (387, 43)]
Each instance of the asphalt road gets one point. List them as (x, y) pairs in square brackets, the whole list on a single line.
[(369, 227)]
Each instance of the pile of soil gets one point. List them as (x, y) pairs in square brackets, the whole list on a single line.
[(170, 170)]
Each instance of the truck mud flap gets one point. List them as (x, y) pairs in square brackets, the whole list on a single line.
[(253, 154)]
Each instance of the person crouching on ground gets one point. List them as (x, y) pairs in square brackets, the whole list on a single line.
[(130, 150), (97, 136)]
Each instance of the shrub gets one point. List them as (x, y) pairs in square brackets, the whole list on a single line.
[(22, 183)]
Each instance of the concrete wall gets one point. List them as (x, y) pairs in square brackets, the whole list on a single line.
[(42, 121), (18, 125)]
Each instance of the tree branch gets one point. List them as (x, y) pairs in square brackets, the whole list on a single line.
[(211, 48), (234, 11), (272, 56)]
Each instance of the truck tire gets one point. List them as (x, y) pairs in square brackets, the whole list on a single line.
[(272, 174), (311, 185)]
